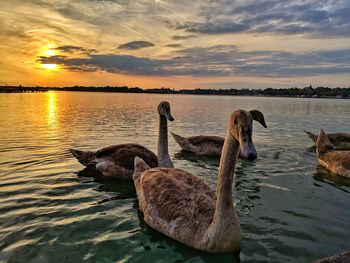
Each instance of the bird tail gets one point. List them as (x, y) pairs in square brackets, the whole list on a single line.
[(183, 142), (311, 135), (323, 145), (139, 168), (84, 157)]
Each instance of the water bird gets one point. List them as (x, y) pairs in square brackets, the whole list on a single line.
[(338, 258), (117, 161), (183, 207), (212, 145), (340, 141), (337, 162)]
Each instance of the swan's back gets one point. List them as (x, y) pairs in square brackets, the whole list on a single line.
[(124, 155), (336, 161), (207, 139), (176, 203)]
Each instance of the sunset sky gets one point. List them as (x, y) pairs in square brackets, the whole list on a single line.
[(177, 44)]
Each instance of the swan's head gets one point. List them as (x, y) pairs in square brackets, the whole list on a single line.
[(164, 110), (241, 128)]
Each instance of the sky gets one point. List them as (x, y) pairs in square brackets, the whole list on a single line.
[(176, 44)]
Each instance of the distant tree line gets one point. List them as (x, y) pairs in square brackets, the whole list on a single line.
[(308, 92)]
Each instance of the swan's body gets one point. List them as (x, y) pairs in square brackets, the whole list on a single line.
[(212, 145), (201, 145), (185, 208), (338, 258), (118, 160), (337, 162), (340, 141)]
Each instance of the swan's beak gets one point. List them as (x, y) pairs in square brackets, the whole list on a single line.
[(168, 116), (248, 151), (246, 144)]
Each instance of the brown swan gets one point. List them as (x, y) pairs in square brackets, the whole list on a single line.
[(337, 162), (118, 160), (183, 207), (212, 145), (338, 258), (340, 141)]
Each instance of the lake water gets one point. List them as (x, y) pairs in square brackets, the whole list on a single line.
[(290, 208)]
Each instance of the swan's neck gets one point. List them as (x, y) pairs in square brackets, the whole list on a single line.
[(224, 203), (163, 154), (224, 231)]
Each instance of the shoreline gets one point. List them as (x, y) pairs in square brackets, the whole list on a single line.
[(280, 93)]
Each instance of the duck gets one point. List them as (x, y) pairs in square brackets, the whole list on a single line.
[(185, 208), (338, 162), (117, 161), (209, 145), (340, 141), (343, 257)]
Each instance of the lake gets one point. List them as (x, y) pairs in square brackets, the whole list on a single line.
[(290, 208)]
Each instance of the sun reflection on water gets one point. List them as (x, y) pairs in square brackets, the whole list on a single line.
[(51, 108)]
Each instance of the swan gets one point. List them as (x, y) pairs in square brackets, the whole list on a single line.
[(117, 161), (340, 141), (212, 145), (338, 258), (337, 162), (183, 207)]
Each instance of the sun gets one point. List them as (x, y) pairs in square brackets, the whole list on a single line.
[(49, 52), (49, 66)]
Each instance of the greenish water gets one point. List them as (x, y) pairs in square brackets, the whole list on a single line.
[(290, 209)]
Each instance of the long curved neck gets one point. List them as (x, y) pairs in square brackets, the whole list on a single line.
[(224, 203), (163, 154), (224, 230)]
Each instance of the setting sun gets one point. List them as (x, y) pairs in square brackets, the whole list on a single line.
[(49, 52), (49, 66)]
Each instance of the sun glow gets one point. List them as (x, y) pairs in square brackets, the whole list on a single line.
[(49, 66), (49, 51)]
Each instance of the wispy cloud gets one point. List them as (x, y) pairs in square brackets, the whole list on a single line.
[(274, 39), (174, 45), (71, 49), (133, 45), (316, 18), (183, 37)]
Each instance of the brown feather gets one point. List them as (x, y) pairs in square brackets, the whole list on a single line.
[(340, 141), (337, 162), (117, 160), (338, 258)]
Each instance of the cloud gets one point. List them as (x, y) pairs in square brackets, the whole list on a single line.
[(183, 37), (71, 49), (213, 28), (221, 60), (174, 45), (133, 45), (310, 17)]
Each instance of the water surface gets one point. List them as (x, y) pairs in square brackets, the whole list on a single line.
[(290, 208)]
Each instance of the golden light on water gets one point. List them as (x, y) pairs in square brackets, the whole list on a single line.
[(51, 108)]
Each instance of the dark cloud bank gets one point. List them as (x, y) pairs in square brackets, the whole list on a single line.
[(224, 60)]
